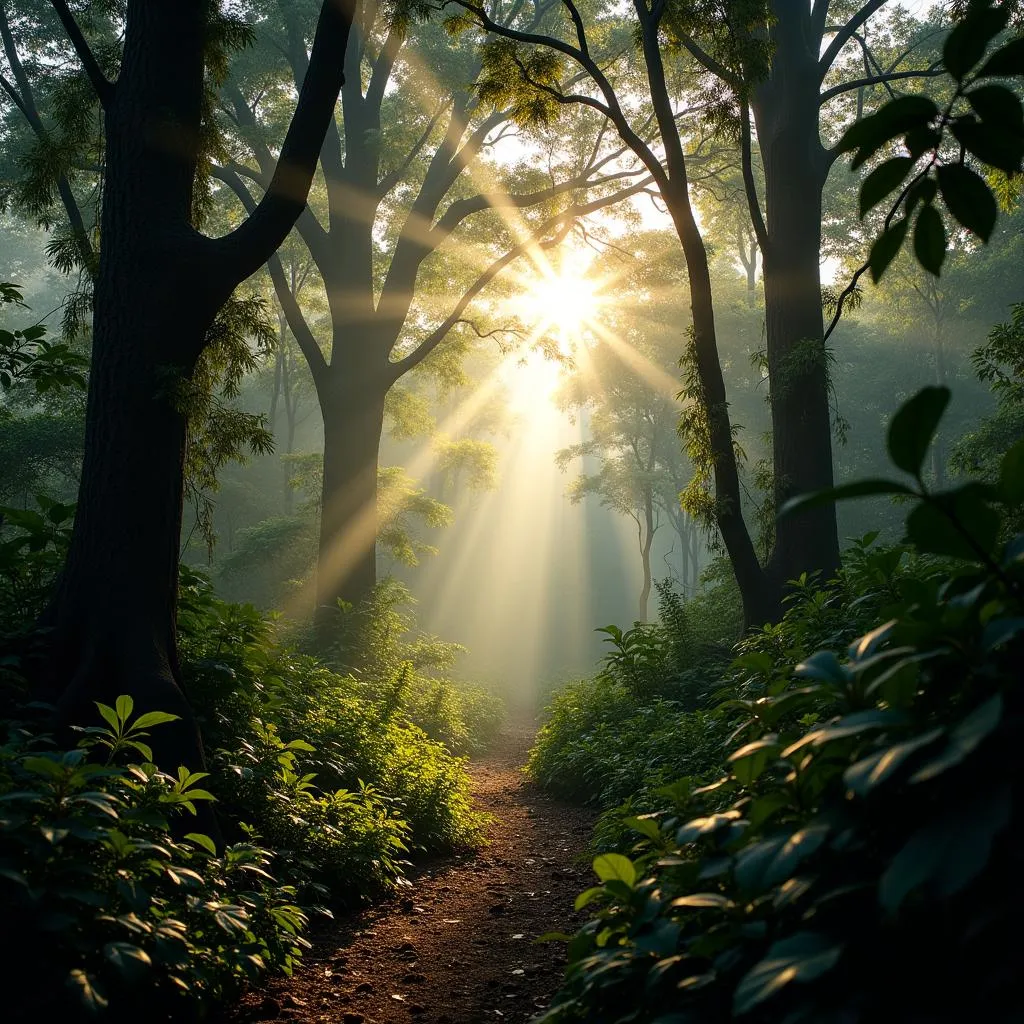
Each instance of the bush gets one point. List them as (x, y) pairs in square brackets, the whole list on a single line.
[(105, 908), (860, 860)]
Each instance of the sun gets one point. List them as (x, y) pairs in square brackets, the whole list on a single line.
[(559, 302)]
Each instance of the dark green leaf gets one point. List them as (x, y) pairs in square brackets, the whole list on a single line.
[(896, 117), (930, 240), (1006, 62), (84, 987), (966, 44), (960, 524), (131, 961), (963, 739), (968, 199), (1000, 149), (857, 489), (913, 427), (885, 248), (883, 180), (862, 777), (800, 958), (1011, 476), (998, 108)]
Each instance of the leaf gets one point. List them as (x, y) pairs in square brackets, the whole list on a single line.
[(1011, 476), (801, 957), (883, 180), (1006, 62), (645, 826), (913, 427), (885, 248), (968, 199), (610, 866), (856, 489), (866, 774), (204, 841), (999, 631), (868, 135), (1000, 149), (704, 900), (84, 987), (109, 716), (825, 667), (999, 107), (750, 761), (948, 853), (130, 960), (966, 44), (930, 240), (151, 718), (123, 706), (588, 896), (964, 738), (959, 524)]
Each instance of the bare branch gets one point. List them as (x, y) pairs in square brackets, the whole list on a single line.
[(883, 79), (103, 87), (845, 33), (750, 186)]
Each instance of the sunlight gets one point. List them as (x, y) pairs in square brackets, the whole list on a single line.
[(560, 300)]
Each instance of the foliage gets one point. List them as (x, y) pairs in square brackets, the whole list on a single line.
[(113, 908), (983, 119), (859, 859)]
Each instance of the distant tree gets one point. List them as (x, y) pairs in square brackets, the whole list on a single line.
[(405, 176)]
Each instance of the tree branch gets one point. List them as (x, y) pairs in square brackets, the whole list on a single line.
[(845, 33), (286, 297), (102, 86), (560, 224), (749, 185), (882, 79), (249, 246)]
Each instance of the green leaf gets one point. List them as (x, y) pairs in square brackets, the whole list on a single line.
[(913, 427), (930, 240), (968, 199), (109, 716), (824, 667), (1006, 62), (800, 958), (588, 896), (966, 44), (964, 739), (151, 718), (868, 135), (204, 841), (866, 774), (949, 524), (750, 761), (123, 706), (885, 248), (1011, 476), (610, 866), (883, 180), (856, 489), (645, 826)]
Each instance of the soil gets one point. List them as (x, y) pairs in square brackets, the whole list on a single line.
[(457, 947)]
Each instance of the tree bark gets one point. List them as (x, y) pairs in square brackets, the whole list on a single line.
[(786, 111), (158, 287), (347, 560)]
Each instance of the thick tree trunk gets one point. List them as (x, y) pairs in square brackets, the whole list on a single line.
[(347, 561), (786, 112)]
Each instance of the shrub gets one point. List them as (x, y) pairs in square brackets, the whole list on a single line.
[(105, 907), (867, 865)]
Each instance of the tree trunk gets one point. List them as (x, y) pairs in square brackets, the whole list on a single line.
[(786, 113), (761, 599), (646, 542), (347, 561)]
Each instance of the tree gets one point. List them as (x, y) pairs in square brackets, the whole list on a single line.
[(404, 177), (761, 57), (159, 285)]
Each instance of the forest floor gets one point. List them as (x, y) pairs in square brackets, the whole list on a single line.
[(457, 947)]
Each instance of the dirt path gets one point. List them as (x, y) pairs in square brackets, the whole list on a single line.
[(457, 947)]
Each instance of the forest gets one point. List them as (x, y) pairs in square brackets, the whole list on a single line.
[(511, 510)]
